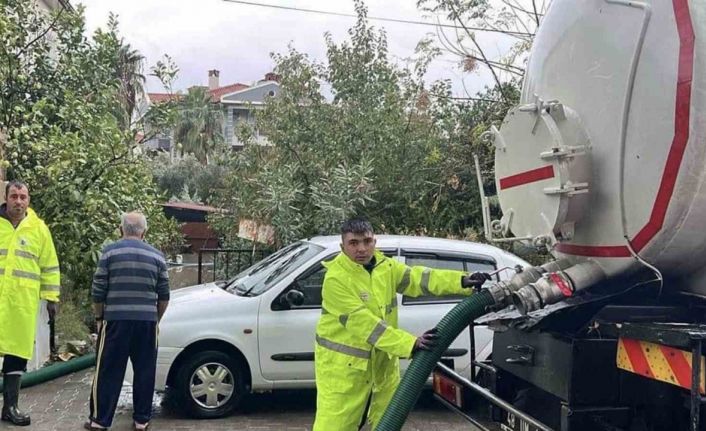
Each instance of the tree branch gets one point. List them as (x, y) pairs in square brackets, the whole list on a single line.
[(503, 66), (41, 35), (516, 6), (99, 173), (518, 20), (480, 50), (299, 159), (536, 15), (466, 54), (441, 36)]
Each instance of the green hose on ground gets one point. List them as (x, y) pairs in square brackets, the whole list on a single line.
[(55, 370), (424, 361)]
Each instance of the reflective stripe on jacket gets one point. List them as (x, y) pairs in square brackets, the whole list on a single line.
[(29, 271), (360, 308)]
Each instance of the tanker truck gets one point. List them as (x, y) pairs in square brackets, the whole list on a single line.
[(603, 163)]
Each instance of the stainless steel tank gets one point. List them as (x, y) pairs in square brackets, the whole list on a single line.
[(604, 160)]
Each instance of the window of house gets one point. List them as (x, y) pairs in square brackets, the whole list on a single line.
[(434, 261)]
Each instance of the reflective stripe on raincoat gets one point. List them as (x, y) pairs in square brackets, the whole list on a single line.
[(358, 340), (29, 271)]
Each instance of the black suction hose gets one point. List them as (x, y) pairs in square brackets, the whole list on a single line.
[(424, 361)]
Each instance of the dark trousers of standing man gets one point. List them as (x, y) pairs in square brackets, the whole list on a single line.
[(13, 365), (119, 340)]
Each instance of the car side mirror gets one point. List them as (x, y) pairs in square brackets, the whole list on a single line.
[(292, 298)]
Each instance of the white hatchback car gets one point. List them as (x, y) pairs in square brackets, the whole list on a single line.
[(255, 332)]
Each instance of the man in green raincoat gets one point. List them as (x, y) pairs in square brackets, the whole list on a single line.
[(29, 272), (358, 342)]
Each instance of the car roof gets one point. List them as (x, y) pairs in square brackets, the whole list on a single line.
[(423, 242)]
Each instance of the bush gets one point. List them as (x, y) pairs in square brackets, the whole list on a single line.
[(187, 179)]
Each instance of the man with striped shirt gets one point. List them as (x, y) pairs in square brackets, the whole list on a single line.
[(130, 294)]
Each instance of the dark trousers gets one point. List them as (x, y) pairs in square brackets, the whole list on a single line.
[(13, 365), (119, 340)]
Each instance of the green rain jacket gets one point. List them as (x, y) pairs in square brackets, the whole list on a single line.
[(29, 271), (359, 309)]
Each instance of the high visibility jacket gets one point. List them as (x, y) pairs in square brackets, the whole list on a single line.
[(29, 271), (358, 340)]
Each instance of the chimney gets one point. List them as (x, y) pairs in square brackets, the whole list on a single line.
[(213, 79), (271, 76)]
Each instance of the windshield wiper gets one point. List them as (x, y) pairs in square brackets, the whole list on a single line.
[(277, 271), (264, 262), (284, 265)]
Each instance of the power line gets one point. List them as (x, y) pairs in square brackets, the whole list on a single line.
[(474, 99), (377, 18)]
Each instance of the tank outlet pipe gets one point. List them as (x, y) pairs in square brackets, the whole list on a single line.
[(553, 287), (56, 370), (424, 361), (502, 291)]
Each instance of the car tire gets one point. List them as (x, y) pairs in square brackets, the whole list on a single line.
[(210, 384)]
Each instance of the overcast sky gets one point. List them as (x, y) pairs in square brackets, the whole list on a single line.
[(237, 39)]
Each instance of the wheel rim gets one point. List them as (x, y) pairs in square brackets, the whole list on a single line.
[(211, 385)]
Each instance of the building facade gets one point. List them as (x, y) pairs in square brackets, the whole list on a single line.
[(238, 102)]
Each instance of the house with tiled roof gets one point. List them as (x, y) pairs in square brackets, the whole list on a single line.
[(238, 102)]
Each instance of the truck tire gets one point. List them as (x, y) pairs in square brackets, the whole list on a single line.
[(210, 385)]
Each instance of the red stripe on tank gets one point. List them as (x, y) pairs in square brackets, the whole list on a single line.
[(527, 177), (682, 110)]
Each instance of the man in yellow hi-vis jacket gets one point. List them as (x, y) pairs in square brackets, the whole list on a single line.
[(29, 271), (358, 342)]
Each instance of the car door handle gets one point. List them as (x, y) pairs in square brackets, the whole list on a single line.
[(293, 357)]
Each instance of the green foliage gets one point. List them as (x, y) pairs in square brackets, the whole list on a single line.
[(71, 322), (386, 146), (199, 125), (58, 96), (131, 82), (160, 118), (174, 178), (476, 119), (473, 9)]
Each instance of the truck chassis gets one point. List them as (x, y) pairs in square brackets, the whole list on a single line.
[(615, 364)]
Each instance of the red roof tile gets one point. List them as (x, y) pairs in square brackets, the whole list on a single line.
[(216, 93), (219, 92), (162, 97)]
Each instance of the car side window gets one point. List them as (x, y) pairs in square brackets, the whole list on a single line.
[(310, 285), (311, 282), (444, 262)]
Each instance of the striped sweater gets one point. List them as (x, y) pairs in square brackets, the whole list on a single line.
[(131, 277)]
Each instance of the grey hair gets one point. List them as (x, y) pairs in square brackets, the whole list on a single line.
[(133, 223)]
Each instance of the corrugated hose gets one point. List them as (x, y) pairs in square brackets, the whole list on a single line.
[(424, 361)]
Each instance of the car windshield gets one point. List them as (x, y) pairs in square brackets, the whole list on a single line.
[(260, 277)]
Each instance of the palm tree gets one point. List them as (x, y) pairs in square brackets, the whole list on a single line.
[(128, 71), (199, 128)]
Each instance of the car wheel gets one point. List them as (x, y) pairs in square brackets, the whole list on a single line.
[(210, 384)]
